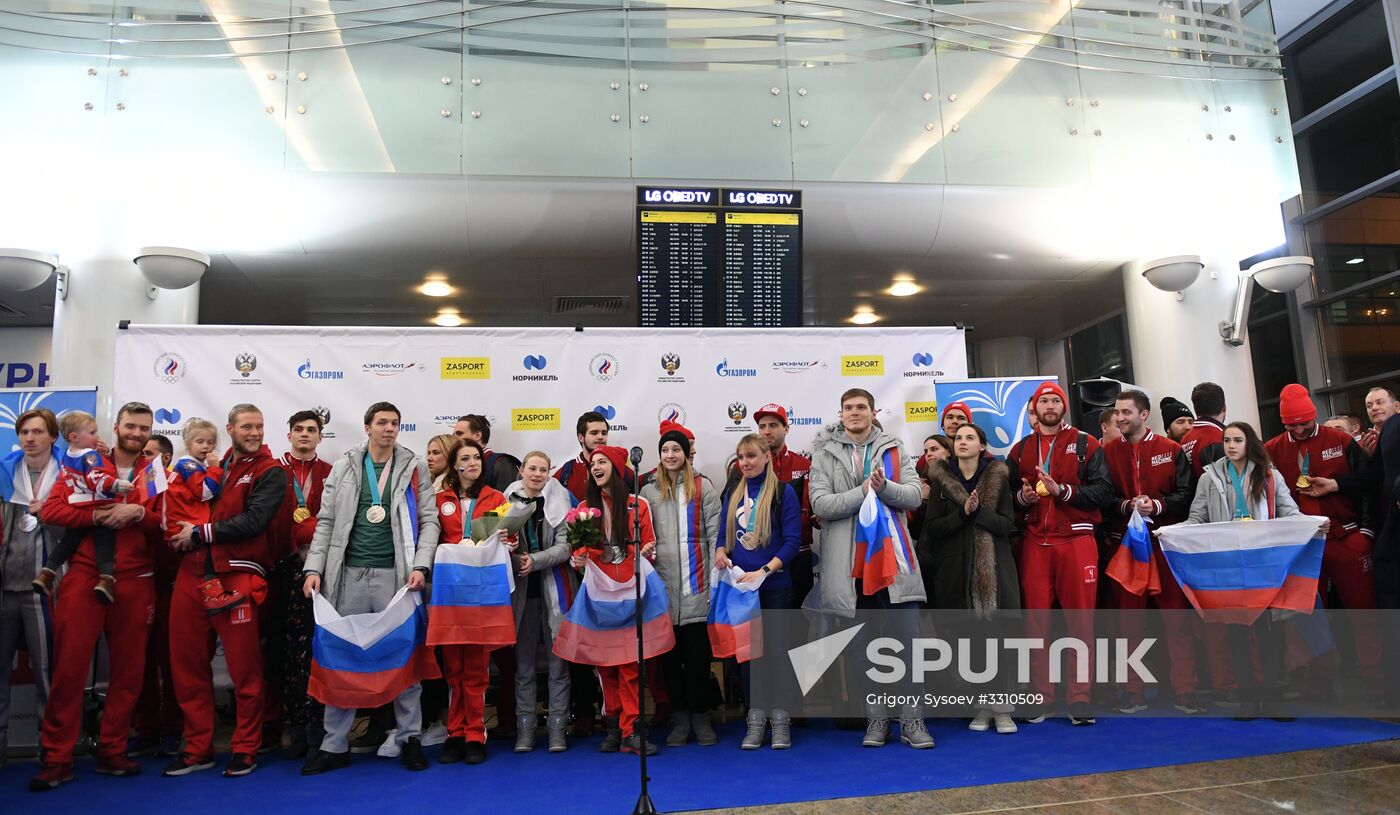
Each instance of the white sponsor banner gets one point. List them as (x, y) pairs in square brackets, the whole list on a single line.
[(532, 383)]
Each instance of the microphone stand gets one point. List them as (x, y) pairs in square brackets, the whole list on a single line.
[(644, 805)]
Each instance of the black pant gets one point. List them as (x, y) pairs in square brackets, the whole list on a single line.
[(1268, 636), (585, 693), (104, 544), (802, 578), (767, 598), (686, 669)]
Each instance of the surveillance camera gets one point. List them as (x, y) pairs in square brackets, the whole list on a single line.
[(170, 267), (23, 269), (1282, 275), (1174, 273)]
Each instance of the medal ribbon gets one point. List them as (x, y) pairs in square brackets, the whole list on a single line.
[(376, 488), (467, 515), (1241, 504), (303, 486), (1304, 463)]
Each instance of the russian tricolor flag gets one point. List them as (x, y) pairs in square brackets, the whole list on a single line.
[(735, 623), (882, 546), (1133, 564), (470, 602), (151, 481), (691, 522), (600, 627), (366, 660), (1233, 571)]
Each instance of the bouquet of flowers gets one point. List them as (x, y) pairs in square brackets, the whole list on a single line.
[(507, 518), (581, 524)]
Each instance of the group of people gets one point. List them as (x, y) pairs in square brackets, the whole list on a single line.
[(165, 554)]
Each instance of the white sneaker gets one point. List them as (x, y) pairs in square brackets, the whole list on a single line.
[(390, 748), (981, 722), (1005, 724), (435, 734)]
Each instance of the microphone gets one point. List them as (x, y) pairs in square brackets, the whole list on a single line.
[(635, 456)]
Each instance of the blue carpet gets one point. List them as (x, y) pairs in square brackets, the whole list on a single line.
[(823, 763)]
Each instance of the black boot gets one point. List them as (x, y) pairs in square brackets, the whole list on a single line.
[(453, 750), (325, 762), (612, 735), (297, 746)]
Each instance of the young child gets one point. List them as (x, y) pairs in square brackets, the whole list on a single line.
[(195, 479), (95, 485)]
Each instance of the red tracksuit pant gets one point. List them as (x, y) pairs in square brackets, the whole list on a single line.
[(237, 629), (157, 713), (467, 669), (1179, 623), (1346, 564), (620, 694), (79, 619), (1064, 571)]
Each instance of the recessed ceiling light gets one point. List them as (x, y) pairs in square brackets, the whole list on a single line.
[(865, 317), (435, 288), (1355, 261), (1000, 256), (905, 288), (448, 319)]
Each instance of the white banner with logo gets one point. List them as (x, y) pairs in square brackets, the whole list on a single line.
[(533, 383)]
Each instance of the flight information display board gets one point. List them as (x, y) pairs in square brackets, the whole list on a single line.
[(719, 257)]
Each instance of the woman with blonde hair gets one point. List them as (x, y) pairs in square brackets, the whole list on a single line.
[(437, 457), (760, 531)]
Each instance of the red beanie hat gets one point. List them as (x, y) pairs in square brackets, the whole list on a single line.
[(966, 411), (1050, 387), (1295, 406), (616, 455)]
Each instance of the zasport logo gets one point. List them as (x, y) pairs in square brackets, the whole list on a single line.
[(534, 418)]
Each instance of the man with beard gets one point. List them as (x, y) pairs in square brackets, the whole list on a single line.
[(234, 546), (1176, 418), (1063, 481), (79, 619), (1302, 452), (1151, 477)]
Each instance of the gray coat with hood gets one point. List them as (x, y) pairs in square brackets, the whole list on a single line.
[(341, 499), (552, 559), (833, 486), (666, 522)]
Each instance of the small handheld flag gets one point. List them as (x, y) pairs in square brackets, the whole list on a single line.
[(1133, 565)]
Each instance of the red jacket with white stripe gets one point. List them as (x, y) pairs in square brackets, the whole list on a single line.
[(1331, 453), (240, 532), (453, 527), (191, 493), (135, 543), (1073, 513), (1203, 444), (1156, 467)]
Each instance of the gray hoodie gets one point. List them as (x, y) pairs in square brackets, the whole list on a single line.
[(833, 486), (339, 502)]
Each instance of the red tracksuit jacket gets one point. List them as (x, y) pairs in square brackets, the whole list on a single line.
[(1052, 519), (1331, 453), (1203, 445), (135, 552), (193, 487), (453, 527), (639, 513), (1156, 467), (241, 531), (311, 475)]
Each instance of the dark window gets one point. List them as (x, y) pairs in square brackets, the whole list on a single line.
[(1348, 53), (1361, 334), (1271, 349), (1357, 243), (1352, 148)]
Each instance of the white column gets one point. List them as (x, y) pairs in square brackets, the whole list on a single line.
[(103, 290), (1176, 344)]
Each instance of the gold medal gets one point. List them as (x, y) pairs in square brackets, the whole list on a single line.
[(300, 514), (1244, 518), (1042, 490), (375, 514), (1303, 481)]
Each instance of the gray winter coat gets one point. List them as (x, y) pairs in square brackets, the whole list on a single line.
[(558, 576), (833, 487), (1215, 498), (670, 559), (341, 498)]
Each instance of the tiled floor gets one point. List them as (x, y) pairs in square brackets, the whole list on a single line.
[(1361, 779)]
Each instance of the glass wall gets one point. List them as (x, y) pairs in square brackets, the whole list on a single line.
[(1352, 229)]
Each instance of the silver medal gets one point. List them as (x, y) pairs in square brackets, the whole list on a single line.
[(375, 514), (28, 523), (749, 540)]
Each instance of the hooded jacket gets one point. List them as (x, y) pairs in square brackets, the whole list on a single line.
[(973, 567), (559, 580), (672, 557), (834, 489), (1215, 498), (339, 502)]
